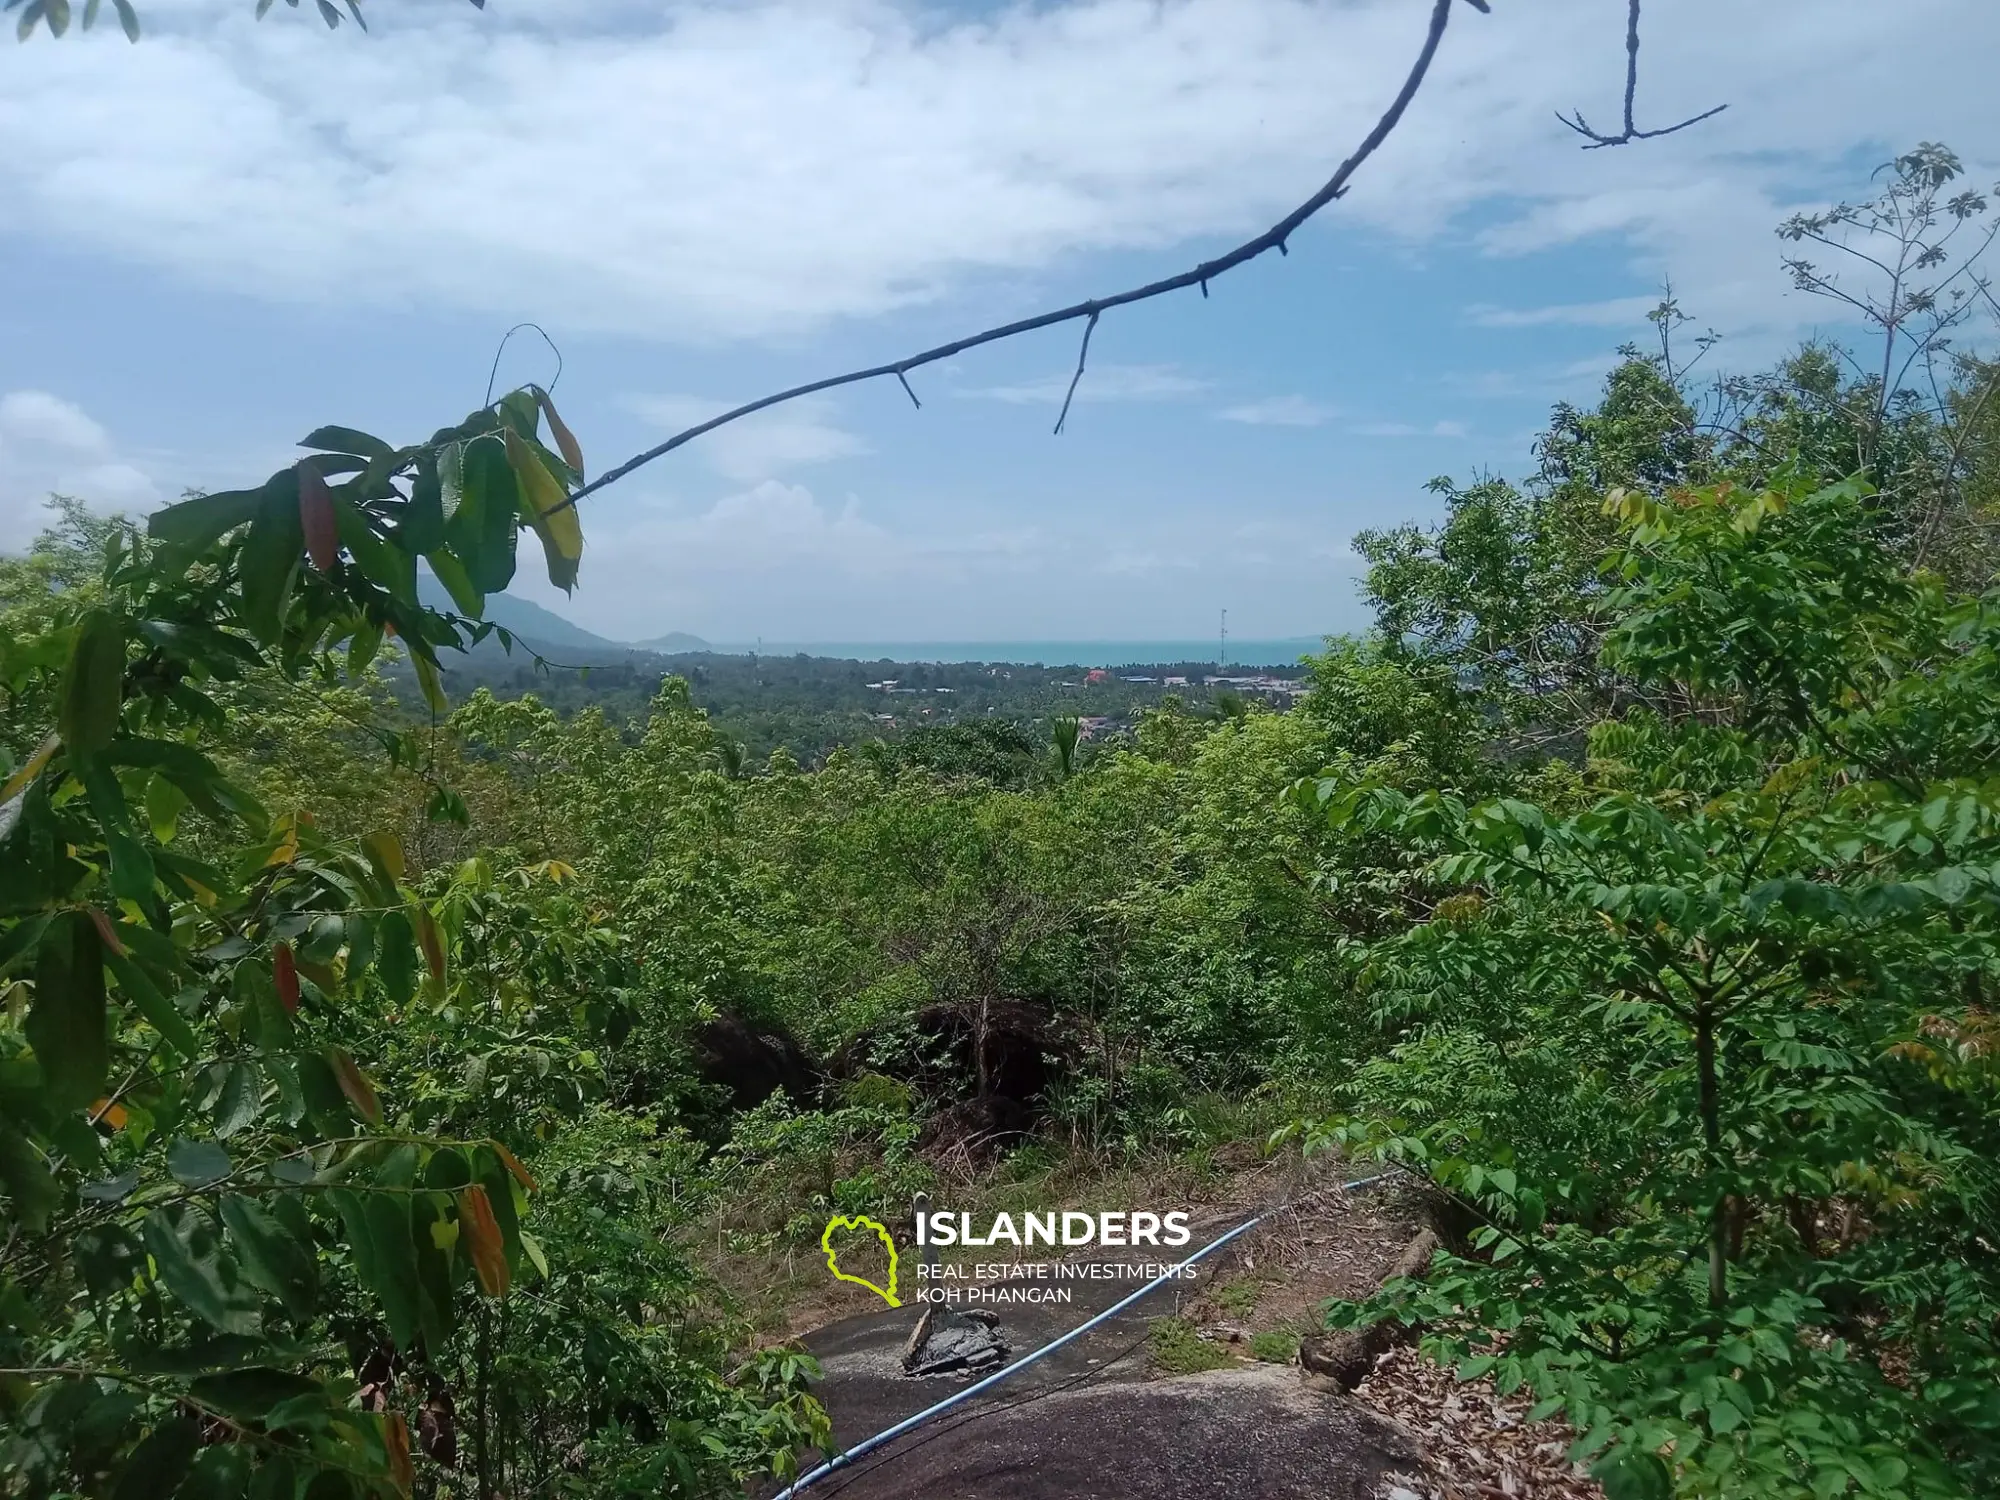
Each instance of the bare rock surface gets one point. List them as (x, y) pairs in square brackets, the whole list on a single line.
[(1096, 1418), (1229, 1434)]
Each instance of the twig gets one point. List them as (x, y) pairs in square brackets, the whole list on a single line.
[(1082, 354), (1271, 239), (1631, 132), (494, 373)]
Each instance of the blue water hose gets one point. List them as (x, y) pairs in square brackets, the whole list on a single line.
[(959, 1398)]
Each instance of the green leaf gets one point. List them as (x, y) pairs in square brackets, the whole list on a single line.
[(241, 1099), (334, 439), (252, 1393), (160, 1462), (164, 801), (436, 1309), (271, 557), (29, 1180), (396, 957), (429, 680), (131, 864), (394, 1253), (197, 1164), (66, 1024), (450, 572), (195, 524), (127, 18), (271, 1258), (483, 531), (188, 1256), (93, 685), (1629, 1474), (145, 997)]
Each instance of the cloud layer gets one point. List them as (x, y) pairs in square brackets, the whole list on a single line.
[(709, 171), (52, 446)]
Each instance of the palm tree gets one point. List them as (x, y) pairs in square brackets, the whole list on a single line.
[(1064, 733)]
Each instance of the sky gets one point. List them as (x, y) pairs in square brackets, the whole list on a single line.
[(236, 231)]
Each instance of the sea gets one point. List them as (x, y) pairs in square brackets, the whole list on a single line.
[(1283, 653)]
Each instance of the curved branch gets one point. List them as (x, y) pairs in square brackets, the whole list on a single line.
[(1271, 239), (1595, 139)]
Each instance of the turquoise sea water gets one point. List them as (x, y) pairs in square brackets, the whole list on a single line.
[(1247, 653)]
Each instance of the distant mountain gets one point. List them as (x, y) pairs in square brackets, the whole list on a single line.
[(545, 626), (675, 642)]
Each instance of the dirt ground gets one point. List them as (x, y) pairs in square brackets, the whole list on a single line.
[(1102, 1417)]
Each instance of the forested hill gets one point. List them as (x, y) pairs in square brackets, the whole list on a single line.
[(452, 1102)]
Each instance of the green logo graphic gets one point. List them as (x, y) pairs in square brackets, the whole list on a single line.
[(841, 1221)]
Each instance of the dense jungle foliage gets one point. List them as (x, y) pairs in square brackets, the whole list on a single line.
[(1634, 881)]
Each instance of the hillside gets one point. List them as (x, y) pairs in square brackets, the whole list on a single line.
[(546, 629)]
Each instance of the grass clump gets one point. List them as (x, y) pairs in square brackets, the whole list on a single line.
[(1179, 1350), (1275, 1346)]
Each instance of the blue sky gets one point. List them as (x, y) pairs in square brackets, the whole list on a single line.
[(233, 232)]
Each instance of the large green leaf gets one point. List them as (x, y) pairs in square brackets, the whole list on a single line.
[(160, 1462), (271, 1258), (396, 957), (192, 1263), (197, 1164), (252, 1393), (131, 862), (450, 572), (271, 556), (66, 1025), (196, 523), (483, 531), (137, 986), (346, 440), (93, 685), (396, 1281)]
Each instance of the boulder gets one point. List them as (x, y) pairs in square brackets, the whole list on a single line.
[(752, 1062)]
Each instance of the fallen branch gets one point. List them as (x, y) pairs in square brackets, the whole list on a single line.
[(1273, 238)]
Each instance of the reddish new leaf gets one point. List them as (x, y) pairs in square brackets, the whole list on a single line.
[(354, 1083), (479, 1231), (432, 944), (396, 1438), (285, 974), (512, 1164), (316, 516), (105, 930), (566, 443)]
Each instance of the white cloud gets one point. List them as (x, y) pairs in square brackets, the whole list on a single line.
[(1143, 564), (1613, 312), (760, 446), (702, 170), (1100, 383), (1281, 411), (1408, 430), (49, 445)]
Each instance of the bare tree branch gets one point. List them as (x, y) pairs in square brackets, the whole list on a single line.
[(1595, 139), (1271, 239), (1082, 354)]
